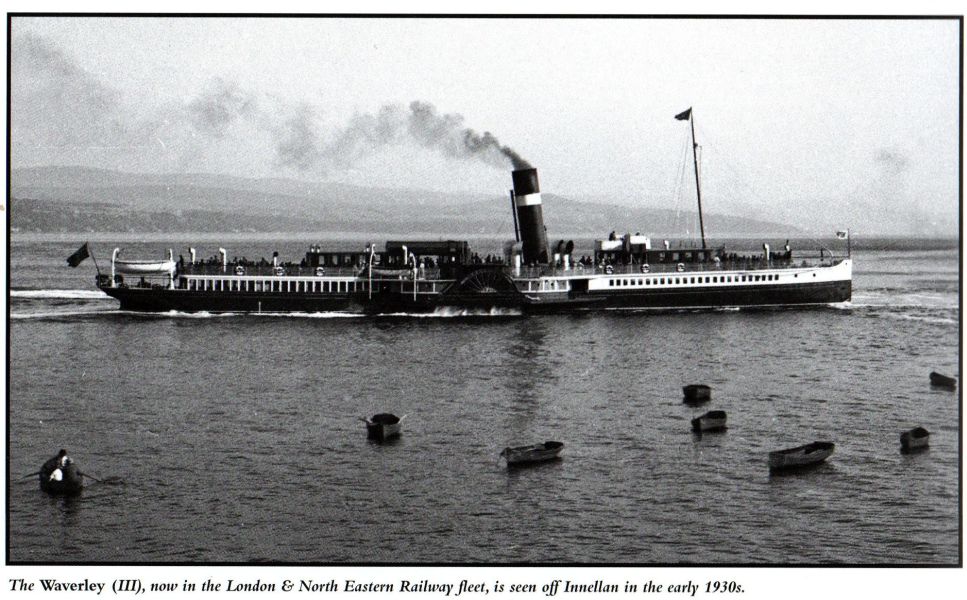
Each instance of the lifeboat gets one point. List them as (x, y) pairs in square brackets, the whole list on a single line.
[(144, 267)]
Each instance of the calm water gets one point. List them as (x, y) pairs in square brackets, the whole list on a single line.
[(237, 438)]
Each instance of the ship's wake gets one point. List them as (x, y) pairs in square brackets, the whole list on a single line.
[(440, 313), (60, 294), (900, 299), (449, 312), (62, 314)]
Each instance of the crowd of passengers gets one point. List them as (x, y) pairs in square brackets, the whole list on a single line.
[(733, 260), (490, 259), (216, 261), (604, 260)]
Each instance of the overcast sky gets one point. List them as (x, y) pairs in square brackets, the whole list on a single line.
[(814, 123)]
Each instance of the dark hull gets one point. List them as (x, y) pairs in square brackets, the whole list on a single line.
[(163, 300), (153, 300), (707, 297)]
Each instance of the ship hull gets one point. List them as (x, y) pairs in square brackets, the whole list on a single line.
[(165, 300), (784, 295), (154, 300)]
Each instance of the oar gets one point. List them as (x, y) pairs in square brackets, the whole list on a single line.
[(31, 475), (89, 477)]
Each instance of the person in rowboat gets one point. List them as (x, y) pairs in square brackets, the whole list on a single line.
[(56, 465)]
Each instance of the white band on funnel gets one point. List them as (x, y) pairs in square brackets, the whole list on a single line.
[(528, 199)]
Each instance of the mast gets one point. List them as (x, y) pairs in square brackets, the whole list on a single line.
[(698, 188)]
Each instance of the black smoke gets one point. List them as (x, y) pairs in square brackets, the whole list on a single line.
[(62, 113), (446, 133), (302, 145)]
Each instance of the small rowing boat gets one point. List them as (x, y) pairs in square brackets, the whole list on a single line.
[(59, 476), (915, 439), (520, 455), (383, 426), (800, 456), (697, 393), (942, 381), (713, 420)]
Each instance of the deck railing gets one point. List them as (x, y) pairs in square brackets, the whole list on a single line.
[(751, 263), (260, 270)]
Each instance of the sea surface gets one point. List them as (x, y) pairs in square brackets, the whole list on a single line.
[(237, 438)]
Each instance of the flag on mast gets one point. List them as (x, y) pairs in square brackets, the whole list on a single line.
[(78, 257), (684, 116), (842, 234)]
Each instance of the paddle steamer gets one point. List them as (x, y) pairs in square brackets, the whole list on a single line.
[(624, 272)]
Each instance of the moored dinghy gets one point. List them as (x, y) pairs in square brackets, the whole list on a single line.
[(536, 453), (914, 439), (942, 381), (800, 456), (383, 426), (713, 420), (697, 393), (60, 476)]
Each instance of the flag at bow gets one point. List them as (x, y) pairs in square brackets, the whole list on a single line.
[(78, 257), (684, 116), (842, 234)]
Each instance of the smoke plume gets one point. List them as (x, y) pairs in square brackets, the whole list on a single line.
[(64, 114), (296, 139), (301, 146), (447, 133), (56, 104), (219, 107), (892, 162)]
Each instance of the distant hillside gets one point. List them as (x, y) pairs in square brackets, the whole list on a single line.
[(67, 199)]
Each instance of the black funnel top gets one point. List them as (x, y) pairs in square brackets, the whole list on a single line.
[(525, 182)]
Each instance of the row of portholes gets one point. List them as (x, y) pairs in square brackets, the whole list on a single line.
[(692, 280)]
